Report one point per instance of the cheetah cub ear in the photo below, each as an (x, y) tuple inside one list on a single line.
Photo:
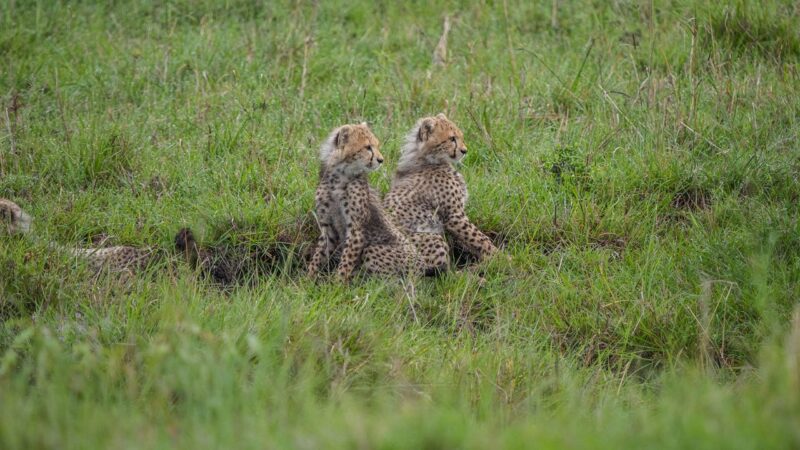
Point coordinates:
[(342, 136), (334, 142), (426, 129), (428, 125), (345, 131)]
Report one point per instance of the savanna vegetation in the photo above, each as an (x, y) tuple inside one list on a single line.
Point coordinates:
[(637, 161)]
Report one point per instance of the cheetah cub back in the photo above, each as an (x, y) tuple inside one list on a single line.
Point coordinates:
[(428, 194), (352, 223), (119, 259)]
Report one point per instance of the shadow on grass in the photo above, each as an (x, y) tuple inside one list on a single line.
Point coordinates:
[(243, 253)]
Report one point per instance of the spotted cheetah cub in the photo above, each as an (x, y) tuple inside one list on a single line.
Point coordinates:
[(428, 194), (114, 259), (351, 221)]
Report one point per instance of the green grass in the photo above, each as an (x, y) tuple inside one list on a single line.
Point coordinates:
[(639, 161)]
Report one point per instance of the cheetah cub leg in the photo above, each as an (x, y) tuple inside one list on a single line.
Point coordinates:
[(468, 235), (322, 251), (433, 252), (351, 255), (389, 259)]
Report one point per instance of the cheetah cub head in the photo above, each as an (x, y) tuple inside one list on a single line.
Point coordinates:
[(433, 140), (12, 218), (351, 149)]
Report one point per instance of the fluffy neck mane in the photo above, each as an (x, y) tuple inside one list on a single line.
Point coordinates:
[(410, 151), (328, 147)]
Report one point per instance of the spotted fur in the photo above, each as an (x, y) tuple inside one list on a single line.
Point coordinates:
[(428, 194), (113, 259), (352, 223)]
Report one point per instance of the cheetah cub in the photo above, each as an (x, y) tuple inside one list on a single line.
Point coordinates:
[(351, 221), (114, 259), (428, 194)]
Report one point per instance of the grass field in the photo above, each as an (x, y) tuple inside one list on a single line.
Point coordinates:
[(638, 161)]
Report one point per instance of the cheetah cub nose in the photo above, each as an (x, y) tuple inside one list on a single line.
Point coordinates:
[(380, 160), (464, 151)]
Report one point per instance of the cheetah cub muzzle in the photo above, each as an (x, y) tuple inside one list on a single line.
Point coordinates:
[(428, 194), (352, 223)]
